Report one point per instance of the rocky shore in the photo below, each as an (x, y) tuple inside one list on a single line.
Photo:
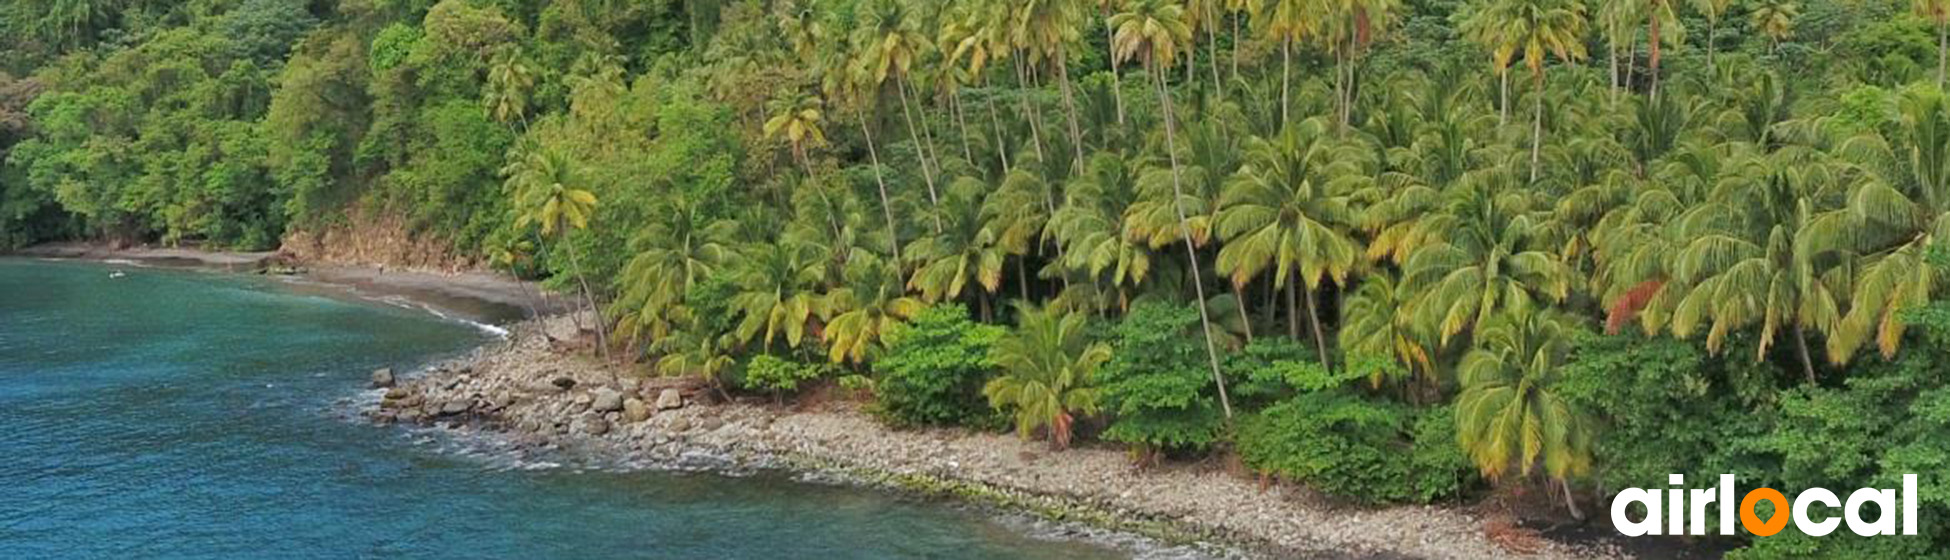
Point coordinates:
[(533, 391)]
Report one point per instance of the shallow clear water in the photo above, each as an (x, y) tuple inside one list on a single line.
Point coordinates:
[(170, 414)]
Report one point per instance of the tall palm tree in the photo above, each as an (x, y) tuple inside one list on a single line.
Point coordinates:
[(1045, 29), (1938, 12), (506, 92), (1288, 211), (1537, 28), (1288, 22), (1775, 19), (1509, 414), (550, 195), (1047, 363), (1712, 10), (891, 43), (1151, 31)]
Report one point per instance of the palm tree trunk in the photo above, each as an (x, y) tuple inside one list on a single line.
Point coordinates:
[(1116, 81), (886, 208), (1070, 106), (1652, 39), (1503, 96), (1212, 52), (1942, 47), (1245, 320), (1320, 337), (995, 125), (1286, 77), (920, 151), (1801, 347), (1537, 124), (961, 120), (1235, 45), (1184, 232), (1293, 310), (589, 299), (1570, 501), (1712, 25), (1029, 110), (927, 132)]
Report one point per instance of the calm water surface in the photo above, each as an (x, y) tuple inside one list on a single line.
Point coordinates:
[(180, 414)]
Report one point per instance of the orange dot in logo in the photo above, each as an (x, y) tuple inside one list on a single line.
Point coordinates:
[(1752, 522)]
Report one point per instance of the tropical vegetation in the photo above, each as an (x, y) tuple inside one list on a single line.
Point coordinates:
[(1322, 237)]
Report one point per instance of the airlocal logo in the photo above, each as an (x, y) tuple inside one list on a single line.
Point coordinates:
[(1669, 516)]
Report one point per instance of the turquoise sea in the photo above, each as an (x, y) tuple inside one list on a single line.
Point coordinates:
[(168, 413)]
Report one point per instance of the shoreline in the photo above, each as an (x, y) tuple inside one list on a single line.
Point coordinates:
[(478, 297), (545, 398), (512, 389)]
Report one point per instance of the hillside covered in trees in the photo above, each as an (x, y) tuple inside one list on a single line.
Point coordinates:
[(1399, 251)]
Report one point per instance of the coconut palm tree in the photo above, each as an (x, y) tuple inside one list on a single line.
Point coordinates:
[(680, 247), (1377, 322), (890, 44), (1492, 255), (1151, 31), (548, 194), (869, 304), (965, 253), (1287, 212), (1712, 10), (1536, 29), (1047, 363), (1090, 226), (509, 82), (777, 291), (1044, 30), (1775, 19), (1509, 416), (1938, 12), (1287, 22), (1899, 208)]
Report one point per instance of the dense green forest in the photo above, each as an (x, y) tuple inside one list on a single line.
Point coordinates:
[(1399, 251)]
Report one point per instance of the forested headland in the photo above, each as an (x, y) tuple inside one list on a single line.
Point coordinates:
[(1398, 251)]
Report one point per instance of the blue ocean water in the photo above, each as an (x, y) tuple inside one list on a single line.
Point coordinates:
[(182, 414)]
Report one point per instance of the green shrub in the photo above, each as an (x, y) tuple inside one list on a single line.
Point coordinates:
[(1157, 383), (781, 376), (934, 370), (1347, 444)]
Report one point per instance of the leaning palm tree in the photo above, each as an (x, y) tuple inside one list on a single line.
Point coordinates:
[(1152, 31), (548, 194), (1047, 363), (1287, 212), (1509, 415)]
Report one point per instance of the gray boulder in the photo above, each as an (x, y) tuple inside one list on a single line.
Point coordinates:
[(670, 399), (635, 411), (607, 400)]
